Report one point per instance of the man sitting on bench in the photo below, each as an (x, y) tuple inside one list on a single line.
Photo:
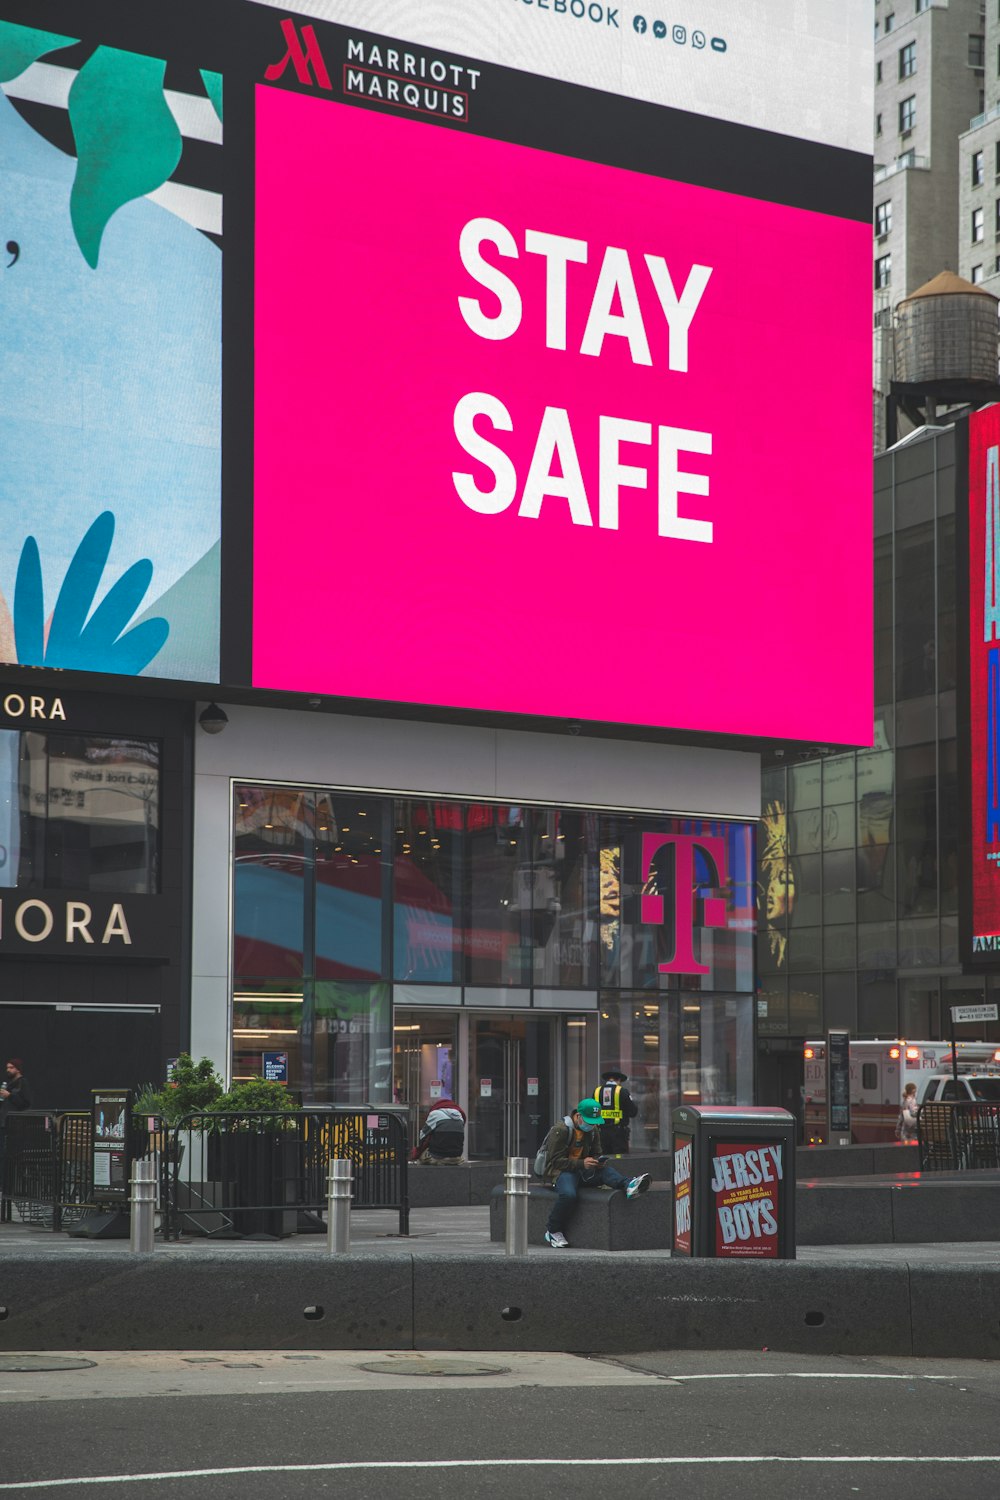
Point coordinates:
[(442, 1136), (573, 1159)]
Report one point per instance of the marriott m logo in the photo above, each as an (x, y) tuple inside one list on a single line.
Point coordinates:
[(304, 55)]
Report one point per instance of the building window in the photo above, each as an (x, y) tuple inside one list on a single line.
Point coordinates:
[(977, 226), (977, 52), (907, 113), (978, 170), (878, 72), (996, 215), (908, 60), (83, 812), (923, 5), (996, 266), (883, 272), (890, 22), (878, 127), (976, 275), (883, 218)]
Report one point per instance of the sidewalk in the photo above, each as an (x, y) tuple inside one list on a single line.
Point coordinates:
[(465, 1232)]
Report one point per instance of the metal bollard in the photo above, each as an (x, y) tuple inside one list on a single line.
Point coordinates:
[(338, 1208), (517, 1181), (143, 1203)]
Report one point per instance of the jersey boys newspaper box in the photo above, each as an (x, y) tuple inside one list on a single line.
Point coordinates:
[(734, 1182)]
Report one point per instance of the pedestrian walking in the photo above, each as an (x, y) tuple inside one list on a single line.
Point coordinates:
[(14, 1096), (906, 1125)]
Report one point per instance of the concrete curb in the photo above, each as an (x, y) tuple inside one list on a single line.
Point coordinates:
[(122, 1301)]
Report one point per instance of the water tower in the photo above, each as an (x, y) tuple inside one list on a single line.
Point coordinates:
[(945, 346)]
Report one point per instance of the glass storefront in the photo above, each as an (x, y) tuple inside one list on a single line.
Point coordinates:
[(399, 950)]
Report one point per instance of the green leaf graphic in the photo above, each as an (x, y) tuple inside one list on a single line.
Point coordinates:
[(20, 46), (127, 141), (213, 88)]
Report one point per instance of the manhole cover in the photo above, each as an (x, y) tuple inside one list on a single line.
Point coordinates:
[(420, 1365), (29, 1364)]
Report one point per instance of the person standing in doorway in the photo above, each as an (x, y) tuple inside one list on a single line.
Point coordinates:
[(617, 1109)]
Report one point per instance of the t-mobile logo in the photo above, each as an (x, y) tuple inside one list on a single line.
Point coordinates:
[(713, 847)]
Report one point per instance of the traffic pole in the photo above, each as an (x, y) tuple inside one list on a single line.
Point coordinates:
[(338, 1207), (517, 1183), (143, 1205)]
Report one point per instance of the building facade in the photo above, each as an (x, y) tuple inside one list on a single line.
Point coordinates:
[(394, 585), (979, 173), (934, 71), (862, 854), (411, 911)]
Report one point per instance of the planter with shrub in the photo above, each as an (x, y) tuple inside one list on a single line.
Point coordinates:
[(254, 1150)]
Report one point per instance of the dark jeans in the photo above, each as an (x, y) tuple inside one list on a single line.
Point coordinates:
[(567, 1186)]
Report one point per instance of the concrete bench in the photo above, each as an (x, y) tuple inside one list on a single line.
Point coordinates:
[(603, 1220), (472, 1182), (921, 1209)]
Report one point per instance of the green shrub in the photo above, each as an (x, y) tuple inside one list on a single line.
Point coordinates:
[(191, 1087), (253, 1096)]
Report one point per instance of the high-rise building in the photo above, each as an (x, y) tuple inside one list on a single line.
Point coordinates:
[(979, 172), (931, 80)]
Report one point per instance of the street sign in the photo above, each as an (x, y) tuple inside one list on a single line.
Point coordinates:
[(838, 1084), (973, 1013)]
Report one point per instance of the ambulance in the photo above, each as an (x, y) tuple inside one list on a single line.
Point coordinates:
[(880, 1070)]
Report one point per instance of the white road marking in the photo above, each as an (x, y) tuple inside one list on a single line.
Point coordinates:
[(804, 1375), (383, 1465)]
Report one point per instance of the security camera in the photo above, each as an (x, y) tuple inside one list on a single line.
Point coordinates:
[(213, 719)]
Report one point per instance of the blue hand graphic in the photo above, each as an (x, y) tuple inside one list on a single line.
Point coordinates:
[(100, 643)]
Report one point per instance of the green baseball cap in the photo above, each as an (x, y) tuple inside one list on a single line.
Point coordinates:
[(590, 1111)]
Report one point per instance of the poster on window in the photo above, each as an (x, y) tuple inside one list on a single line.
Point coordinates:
[(746, 1198)]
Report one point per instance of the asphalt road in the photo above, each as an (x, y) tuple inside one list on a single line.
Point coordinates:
[(705, 1426)]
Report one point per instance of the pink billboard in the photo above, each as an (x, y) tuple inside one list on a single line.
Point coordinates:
[(542, 436)]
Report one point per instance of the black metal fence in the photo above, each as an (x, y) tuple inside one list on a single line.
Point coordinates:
[(45, 1172), (221, 1175), (958, 1137), (265, 1174)]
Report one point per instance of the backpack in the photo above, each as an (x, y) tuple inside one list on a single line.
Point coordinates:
[(541, 1154)]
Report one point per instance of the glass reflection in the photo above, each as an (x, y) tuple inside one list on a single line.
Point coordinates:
[(678, 1049), (79, 812), (428, 844)]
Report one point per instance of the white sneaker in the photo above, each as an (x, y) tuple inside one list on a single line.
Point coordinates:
[(556, 1240), (637, 1185)]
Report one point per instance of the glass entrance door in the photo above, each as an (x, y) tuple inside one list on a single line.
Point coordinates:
[(510, 1084), (424, 1055)]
